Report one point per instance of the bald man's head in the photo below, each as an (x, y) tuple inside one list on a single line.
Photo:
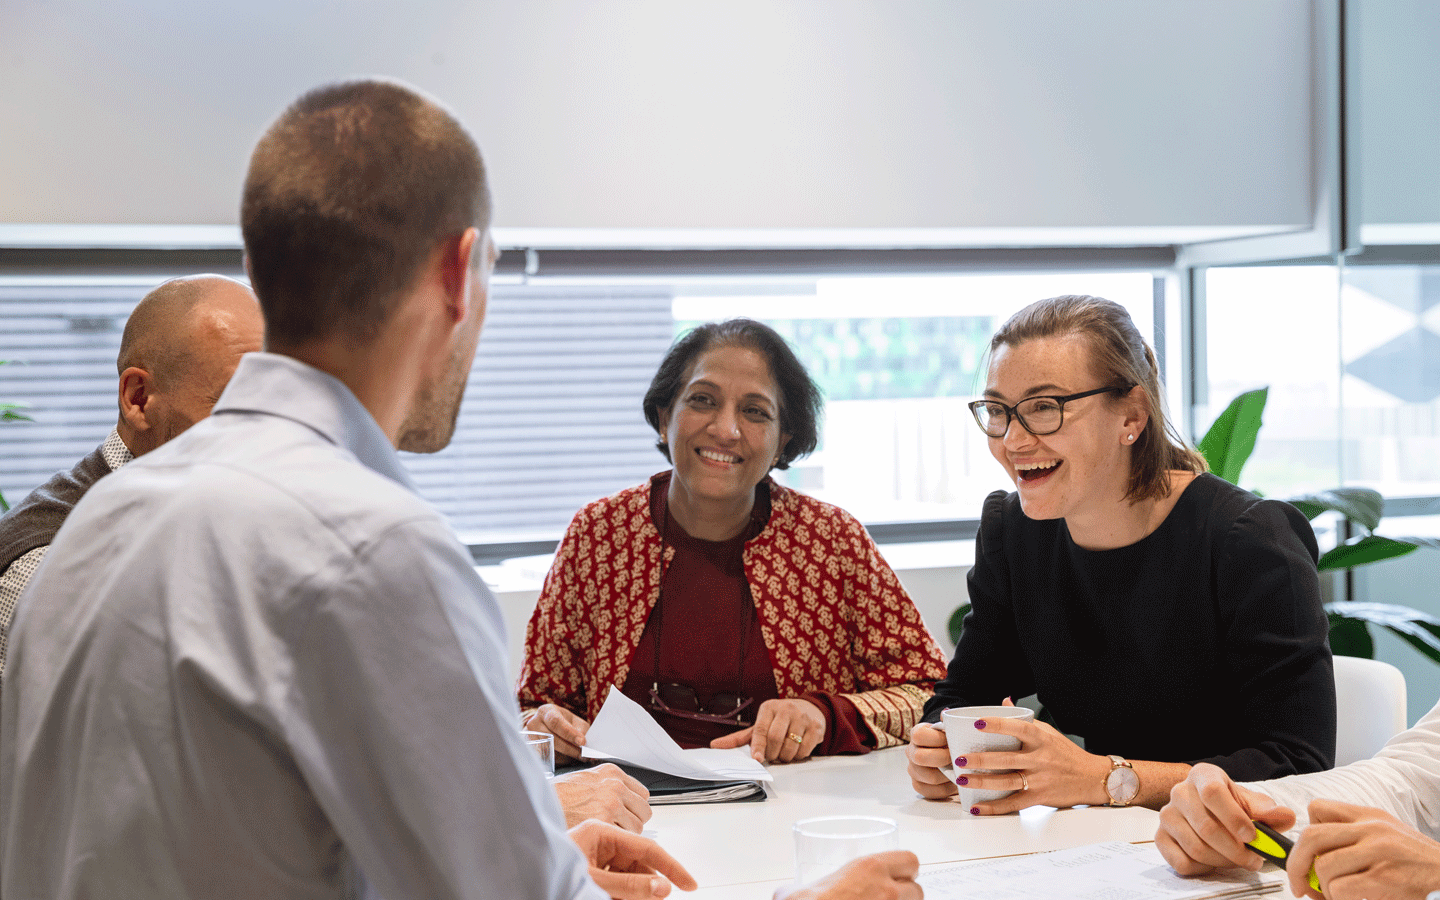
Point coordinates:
[(180, 347)]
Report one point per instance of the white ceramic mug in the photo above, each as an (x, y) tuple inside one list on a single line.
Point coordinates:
[(964, 739)]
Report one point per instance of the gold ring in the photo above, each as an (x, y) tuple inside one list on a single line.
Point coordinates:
[(796, 738), (1024, 785)]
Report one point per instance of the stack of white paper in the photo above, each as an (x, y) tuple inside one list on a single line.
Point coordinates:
[(624, 730), (1115, 871)]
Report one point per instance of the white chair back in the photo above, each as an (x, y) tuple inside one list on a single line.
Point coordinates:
[(1369, 706)]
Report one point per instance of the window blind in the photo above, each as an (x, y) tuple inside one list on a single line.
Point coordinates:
[(551, 418)]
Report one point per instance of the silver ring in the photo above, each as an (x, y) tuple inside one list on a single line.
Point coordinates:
[(1024, 785)]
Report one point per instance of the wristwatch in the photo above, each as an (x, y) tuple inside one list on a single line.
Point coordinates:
[(1122, 783)]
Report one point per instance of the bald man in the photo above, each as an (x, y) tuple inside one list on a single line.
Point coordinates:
[(180, 347)]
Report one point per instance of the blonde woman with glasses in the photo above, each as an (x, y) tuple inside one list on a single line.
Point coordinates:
[(1162, 615)]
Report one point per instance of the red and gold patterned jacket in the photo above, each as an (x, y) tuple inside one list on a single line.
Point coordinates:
[(832, 612)]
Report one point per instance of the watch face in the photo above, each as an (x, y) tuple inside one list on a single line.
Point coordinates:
[(1122, 784)]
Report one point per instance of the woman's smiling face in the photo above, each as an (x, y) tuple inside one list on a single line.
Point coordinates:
[(723, 429), (1083, 468)]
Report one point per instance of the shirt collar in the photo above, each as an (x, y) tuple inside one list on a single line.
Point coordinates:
[(114, 451), (276, 385)]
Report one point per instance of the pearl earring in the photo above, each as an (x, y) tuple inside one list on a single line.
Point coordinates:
[(1129, 437)]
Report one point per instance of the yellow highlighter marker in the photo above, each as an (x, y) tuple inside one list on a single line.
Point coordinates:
[(1276, 847)]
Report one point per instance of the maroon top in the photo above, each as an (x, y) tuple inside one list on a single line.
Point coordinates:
[(702, 618)]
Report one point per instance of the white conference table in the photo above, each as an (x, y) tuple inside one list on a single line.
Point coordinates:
[(745, 850)]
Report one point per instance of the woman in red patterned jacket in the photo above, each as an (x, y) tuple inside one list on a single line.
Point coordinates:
[(736, 610)]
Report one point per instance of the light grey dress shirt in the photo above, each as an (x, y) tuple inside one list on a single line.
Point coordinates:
[(256, 664), (14, 579)]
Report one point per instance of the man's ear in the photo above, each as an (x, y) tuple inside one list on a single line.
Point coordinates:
[(137, 389), (455, 264)]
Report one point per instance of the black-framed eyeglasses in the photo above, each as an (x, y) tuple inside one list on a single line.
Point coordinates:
[(1038, 415)]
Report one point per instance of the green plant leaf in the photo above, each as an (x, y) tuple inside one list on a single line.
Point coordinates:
[(957, 622), (1418, 629), (8, 412), (1350, 637), (1231, 439), (1360, 505), (1368, 549)]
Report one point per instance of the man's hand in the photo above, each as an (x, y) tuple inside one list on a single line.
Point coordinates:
[(1206, 824), (1359, 852), (628, 866), (568, 728), (883, 876), (605, 793), (927, 751), (784, 731)]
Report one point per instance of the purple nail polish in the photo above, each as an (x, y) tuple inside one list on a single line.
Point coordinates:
[(980, 724), (960, 761), (962, 781), (974, 810)]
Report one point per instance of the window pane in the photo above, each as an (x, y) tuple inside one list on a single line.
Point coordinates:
[(1278, 327), (1390, 345), (552, 417), (898, 359)]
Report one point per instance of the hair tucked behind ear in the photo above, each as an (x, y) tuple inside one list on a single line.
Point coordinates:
[(1120, 357)]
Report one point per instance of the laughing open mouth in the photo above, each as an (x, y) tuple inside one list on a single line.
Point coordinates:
[(1036, 471)]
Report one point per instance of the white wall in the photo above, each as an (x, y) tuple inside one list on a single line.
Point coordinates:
[(1169, 119)]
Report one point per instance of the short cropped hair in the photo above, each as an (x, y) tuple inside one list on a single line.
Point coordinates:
[(1119, 357), (347, 195), (800, 398)]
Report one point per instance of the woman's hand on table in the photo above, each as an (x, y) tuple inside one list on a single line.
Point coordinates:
[(1205, 825), (927, 751), (883, 876), (627, 866), (1049, 769), (568, 729), (784, 731), (605, 793)]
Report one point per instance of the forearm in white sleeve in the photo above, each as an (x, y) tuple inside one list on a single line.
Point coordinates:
[(1403, 779)]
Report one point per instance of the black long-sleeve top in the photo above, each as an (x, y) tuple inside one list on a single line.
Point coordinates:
[(1205, 641)]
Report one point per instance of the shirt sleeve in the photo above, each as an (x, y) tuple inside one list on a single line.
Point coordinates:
[(894, 654), (1403, 779), (989, 662), (12, 584), (1275, 648), (551, 671), (845, 728), (402, 723)]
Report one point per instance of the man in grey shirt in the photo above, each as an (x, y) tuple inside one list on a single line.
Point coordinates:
[(255, 663), (180, 346)]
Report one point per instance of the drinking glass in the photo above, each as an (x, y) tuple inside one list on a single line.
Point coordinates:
[(544, 746), (824, 844)]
